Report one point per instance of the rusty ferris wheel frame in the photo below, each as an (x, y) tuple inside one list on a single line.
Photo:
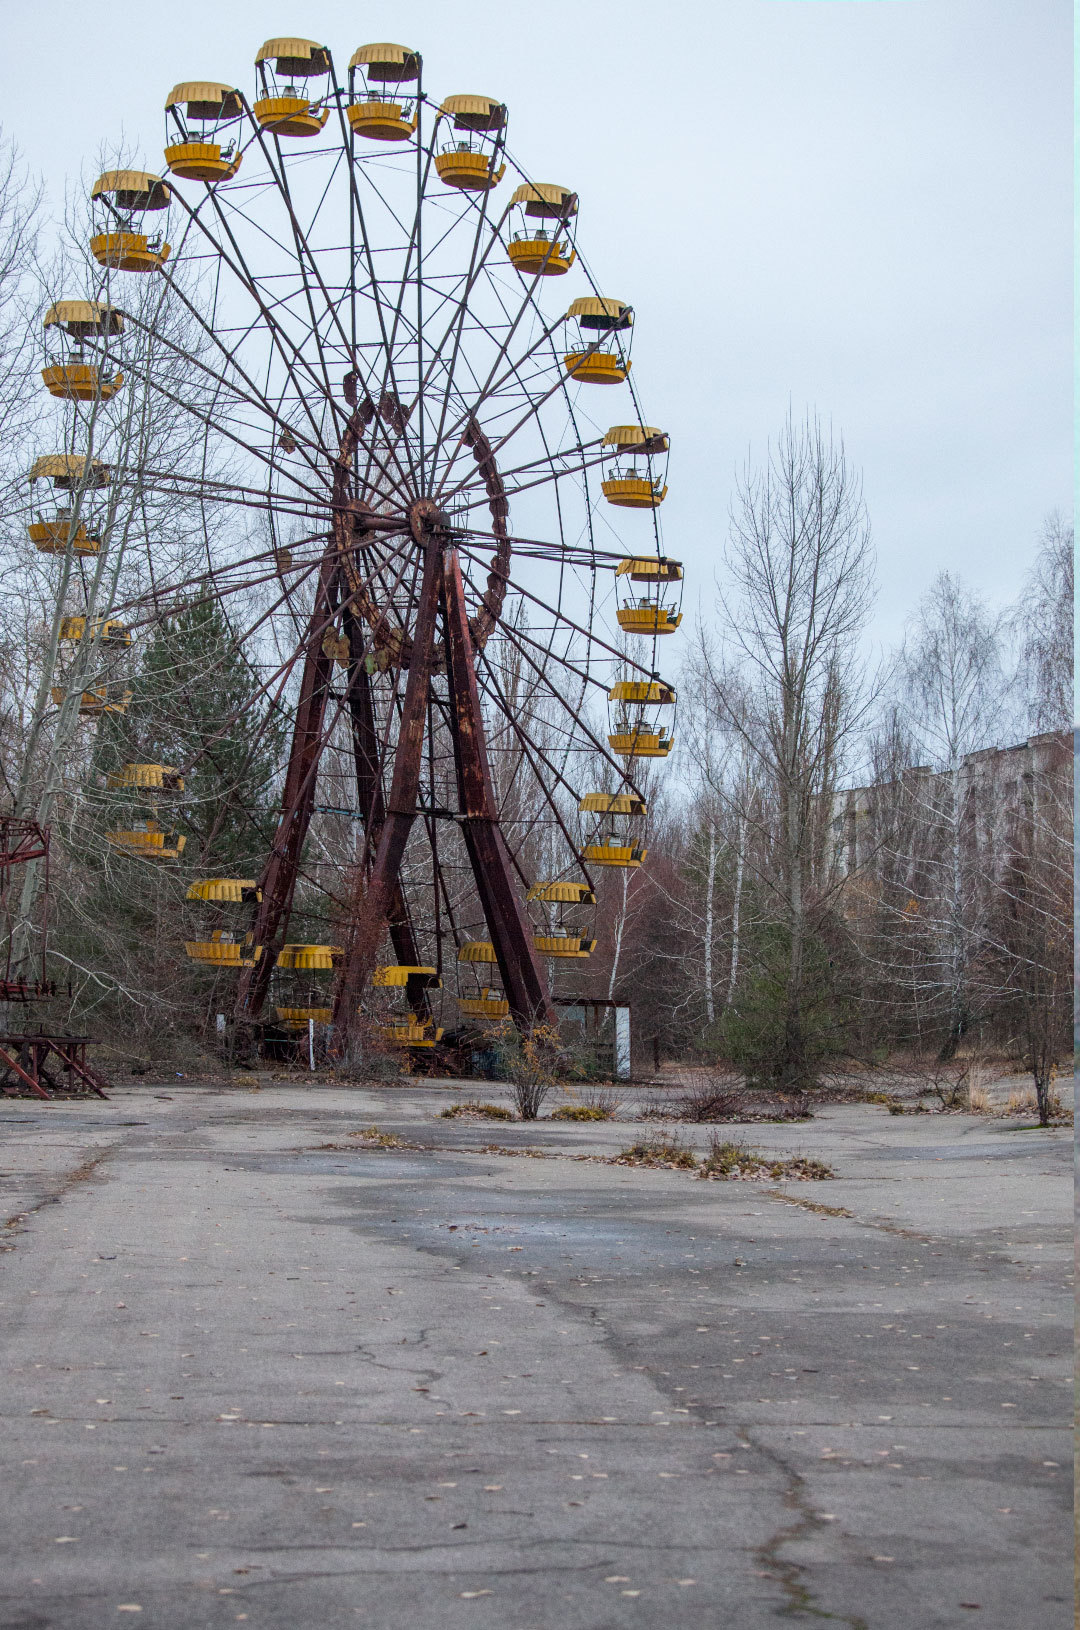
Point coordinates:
[(383, 400)]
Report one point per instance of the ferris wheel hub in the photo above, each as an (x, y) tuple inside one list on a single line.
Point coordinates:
[(426, 518)]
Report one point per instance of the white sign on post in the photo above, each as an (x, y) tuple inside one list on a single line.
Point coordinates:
[(622, 1044)]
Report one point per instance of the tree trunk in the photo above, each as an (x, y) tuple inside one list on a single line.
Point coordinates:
[(710, 884)]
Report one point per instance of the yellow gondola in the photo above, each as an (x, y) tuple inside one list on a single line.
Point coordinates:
[(612, 853), (73, 378), (126, 193), (564, 945), (599, 357), (372, 111), (109, 632), (477, 951), (224, 950), (636, 735), (617, 847), (467, 164), (641, 743), (57, 536), (484, 1006), (282, 109), (92, 703), (149, 840), (197, 155), (538, 251), (630, 480), (410, 1033)]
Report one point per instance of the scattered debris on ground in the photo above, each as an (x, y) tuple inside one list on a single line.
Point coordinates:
[(808, 1205)]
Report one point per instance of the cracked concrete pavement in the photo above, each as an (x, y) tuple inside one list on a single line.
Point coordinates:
[(252, 1379)]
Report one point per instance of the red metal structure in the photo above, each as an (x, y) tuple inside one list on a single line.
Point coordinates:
[(36, 1062)]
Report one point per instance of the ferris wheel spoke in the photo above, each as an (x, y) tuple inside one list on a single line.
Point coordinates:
[(307, 262), (566, 621), (295, 364), (357, 218), (533, 752), (257, 397), (520, 641)]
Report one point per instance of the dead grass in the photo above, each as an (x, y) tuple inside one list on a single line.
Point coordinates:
[(581, 1112)]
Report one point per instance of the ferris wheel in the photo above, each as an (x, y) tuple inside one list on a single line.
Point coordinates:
[(441, 546)]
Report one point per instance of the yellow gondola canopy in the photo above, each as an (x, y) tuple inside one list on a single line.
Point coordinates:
[(579, 894), (159, 777), (392, 63), (613, 803), (477, 951), (295, 59), (474, 112), (658, 569), (596, 311), (232, 890), (69, 470), (654, 691), (206, 99), (636, 438), (546, 199), (82, 318), (309, 956), (132, 189), (399, 973)]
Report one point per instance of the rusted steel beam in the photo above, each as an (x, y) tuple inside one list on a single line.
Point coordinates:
[(371, 905), (372, 804), (278, 880), (13, 1064), (511, 932), (66, 1050)]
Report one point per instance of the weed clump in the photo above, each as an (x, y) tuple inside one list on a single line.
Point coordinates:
[(581, 1112), (728, 1160), (474, 1110), (662, 1151)]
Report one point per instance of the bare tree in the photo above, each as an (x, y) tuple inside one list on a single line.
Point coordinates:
[(800, 570), (1044, 621), (956, 692)]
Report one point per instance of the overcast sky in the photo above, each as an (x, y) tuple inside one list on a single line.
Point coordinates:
[(859, 206)]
